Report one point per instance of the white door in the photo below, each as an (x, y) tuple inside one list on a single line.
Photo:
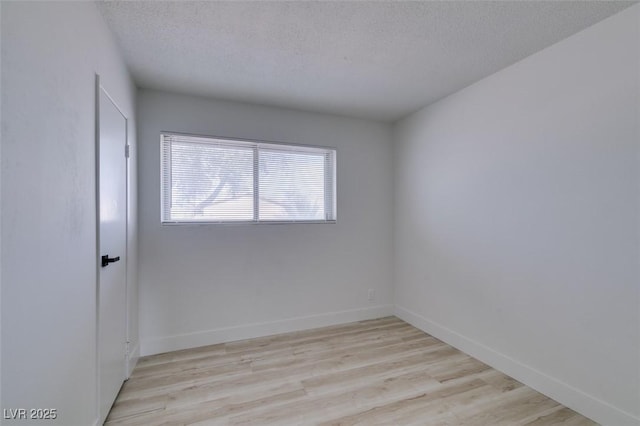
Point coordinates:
[(112, 234)]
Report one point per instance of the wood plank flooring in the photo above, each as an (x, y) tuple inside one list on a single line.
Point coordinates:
[(377, 372)]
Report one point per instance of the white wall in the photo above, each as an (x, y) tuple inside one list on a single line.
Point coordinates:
[(516, 223), (50, 54), (0, 212), (202, 284)]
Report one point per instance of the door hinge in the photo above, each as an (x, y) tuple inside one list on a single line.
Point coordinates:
[(126, 151), (126, 350)]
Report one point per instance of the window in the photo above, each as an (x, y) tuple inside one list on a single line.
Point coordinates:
[(212, 180)]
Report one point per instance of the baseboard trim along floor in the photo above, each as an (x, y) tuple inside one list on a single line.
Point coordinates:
[(382, 371), (151, 346), (598, 410)]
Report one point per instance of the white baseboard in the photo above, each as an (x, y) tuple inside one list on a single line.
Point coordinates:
[(151, 346), (132, 360), (587, 405)]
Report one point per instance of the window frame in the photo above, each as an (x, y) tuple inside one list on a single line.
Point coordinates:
[(255, 145)]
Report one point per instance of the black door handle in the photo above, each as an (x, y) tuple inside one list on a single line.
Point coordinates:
[(106, 260)]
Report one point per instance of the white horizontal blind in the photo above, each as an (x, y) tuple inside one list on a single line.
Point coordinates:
[(291, 185), (221, 180), (330, 184), (206, 180)]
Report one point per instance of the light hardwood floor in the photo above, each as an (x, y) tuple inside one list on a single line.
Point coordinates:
[(377, 372)]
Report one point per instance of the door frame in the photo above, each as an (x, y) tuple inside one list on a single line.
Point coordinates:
[(100, 89)]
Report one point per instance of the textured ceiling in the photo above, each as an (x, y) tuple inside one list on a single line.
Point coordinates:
[(379, 60)]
